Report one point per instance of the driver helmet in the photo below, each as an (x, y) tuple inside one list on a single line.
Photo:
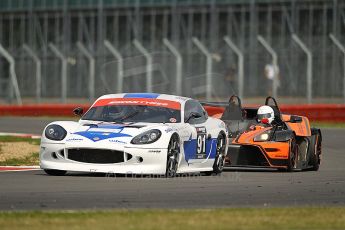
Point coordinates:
[(265, 114)]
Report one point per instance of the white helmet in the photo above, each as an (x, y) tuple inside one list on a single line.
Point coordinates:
[(265, 114)]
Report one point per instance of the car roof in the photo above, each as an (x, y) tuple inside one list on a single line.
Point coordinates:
[(174, 98)]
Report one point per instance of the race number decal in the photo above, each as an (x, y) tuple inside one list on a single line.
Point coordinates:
[(200, 143)]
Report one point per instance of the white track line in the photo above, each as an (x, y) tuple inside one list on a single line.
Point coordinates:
[(32, 136), (22, 170), (22, 166), (19, 168)]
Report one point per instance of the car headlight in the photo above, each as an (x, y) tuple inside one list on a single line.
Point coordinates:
[(55, 132), (147, 137), (263, 136)]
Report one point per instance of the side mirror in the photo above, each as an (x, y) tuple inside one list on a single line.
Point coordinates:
[(78, 111), (295, 119), (193, 115)]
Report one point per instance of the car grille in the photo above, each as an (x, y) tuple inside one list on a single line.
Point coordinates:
[(246, 155), (97, 156)]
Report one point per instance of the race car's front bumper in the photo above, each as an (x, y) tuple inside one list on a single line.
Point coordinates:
[(123, 160), (241, 155)]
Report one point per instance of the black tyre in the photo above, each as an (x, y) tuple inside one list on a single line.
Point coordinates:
[(316, 152), (172, 156), (293, 156), (54, 172), (219, 160)]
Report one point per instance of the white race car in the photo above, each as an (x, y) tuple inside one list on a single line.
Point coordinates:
[(136, 133)]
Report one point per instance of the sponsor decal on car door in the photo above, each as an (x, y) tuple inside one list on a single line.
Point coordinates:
[(201, 136), (199, 147)]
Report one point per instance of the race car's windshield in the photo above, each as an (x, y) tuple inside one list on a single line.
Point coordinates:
[(133, 113)]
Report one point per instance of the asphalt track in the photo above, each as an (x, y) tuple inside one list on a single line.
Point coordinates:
[(234, 188)]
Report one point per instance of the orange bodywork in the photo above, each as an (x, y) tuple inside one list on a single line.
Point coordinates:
[(301, 129), (218, 115), (270, 149), (244, 151)]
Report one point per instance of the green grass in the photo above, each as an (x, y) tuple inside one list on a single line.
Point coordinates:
[(231, 218), (328, 124), (19, 139), (32, 159)]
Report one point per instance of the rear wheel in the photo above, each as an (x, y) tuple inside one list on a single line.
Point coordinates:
[(54, 172), (172, 156), (293, 156), (219, 160)]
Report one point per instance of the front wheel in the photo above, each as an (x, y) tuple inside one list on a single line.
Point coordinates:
[(172, 156), (293, 156), (316, 155), (54, 172)]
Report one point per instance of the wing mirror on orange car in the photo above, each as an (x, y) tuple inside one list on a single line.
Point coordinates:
[(78, 111), (295, 119)]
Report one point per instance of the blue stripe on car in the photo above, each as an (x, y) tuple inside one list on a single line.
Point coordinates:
[(141, 95), (191, 145), (99, 136)]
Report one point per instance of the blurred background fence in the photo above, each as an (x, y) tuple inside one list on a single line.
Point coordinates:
[(76, 50)]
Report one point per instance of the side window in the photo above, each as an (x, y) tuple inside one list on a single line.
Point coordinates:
[(194, 106)]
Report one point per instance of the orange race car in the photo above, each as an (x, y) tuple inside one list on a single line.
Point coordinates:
[(263, 137)]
